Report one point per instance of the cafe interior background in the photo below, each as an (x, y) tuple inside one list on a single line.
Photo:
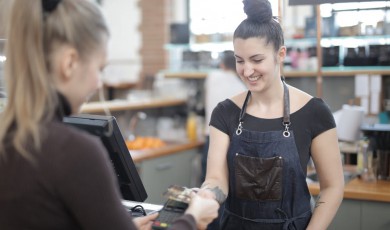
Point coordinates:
[(161, 51)]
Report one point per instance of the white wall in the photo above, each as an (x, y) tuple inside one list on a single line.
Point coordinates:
[(179, 11), (292, 22), (123, 18)]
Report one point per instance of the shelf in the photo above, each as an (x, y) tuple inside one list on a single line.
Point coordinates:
[(340, 71), (191, 74), (289, 42), (298, 73), (203, 74), (123, 105), (351, 71), (207, 46), (371, 38), (300, 41), (123, 85), (326, 72), (337, 41), (112, 87)]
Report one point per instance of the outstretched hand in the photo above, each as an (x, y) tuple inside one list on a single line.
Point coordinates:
[(203, 209)]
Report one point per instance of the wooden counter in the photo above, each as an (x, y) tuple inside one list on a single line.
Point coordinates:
[(141, 155), (358, 190)]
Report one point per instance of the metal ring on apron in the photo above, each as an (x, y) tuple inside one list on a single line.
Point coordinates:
[(286, 132), (239, 129)]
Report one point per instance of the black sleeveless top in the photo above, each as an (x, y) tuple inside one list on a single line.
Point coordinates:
[(308, 122)]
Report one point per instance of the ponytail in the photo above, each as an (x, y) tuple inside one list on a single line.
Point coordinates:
[(32, 38)]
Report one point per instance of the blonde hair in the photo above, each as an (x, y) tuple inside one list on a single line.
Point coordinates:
[(32, 38)]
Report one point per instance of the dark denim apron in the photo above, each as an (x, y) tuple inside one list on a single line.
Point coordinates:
[(267, 186)]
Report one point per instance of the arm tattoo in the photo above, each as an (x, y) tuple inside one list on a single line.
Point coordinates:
[(318, 202), (220, 197)]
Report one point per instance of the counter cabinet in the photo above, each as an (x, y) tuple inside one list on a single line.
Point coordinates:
[(158, 173), (365, 205), (362, 215)]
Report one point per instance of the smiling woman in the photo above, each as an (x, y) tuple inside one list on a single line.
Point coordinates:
[(267, 135)]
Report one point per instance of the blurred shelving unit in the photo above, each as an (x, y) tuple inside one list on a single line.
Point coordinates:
[(333, 77), (319, 77)]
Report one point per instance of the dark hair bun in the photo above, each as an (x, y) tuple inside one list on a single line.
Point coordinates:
[(258, 10)]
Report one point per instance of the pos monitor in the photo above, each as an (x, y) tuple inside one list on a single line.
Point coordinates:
[(130, 183)]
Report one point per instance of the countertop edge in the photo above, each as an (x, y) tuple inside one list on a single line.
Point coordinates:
[(356, 189), (141, 155)]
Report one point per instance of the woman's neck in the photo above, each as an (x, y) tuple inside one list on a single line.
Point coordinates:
[(268, 103)]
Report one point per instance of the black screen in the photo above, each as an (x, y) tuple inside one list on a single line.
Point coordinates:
[(130, 183)]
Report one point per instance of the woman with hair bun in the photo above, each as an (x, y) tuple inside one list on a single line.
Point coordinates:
[(261, 140), (53, 176)]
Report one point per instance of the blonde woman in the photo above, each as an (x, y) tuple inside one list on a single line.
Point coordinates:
[(53, 176)]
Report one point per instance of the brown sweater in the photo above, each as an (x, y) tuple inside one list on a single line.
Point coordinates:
[(72, 186)]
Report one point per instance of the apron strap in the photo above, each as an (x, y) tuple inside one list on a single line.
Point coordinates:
[(242, 113), (291, 220), (286, 221), (286, 106), (286, 111)]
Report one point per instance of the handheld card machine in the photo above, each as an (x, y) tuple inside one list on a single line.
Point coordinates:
[(172, 209), (178, 198)]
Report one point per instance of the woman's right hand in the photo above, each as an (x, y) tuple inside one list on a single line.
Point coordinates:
[(204, 210)]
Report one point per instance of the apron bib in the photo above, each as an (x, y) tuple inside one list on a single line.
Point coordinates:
[(267, 186)]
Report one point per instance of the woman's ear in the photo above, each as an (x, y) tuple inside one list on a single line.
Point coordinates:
[(281, 54), (69, 59)]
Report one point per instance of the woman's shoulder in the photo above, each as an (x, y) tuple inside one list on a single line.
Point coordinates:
[(226, 107), (237, 100), (67, 146), (317, 111), (74, 133), (298, 99), (64, 136), (230, 107), (302, 102), (317, 105)]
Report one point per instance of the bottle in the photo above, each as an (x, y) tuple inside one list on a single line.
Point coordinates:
[(363, 145), (368, 174), (192, 130)]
